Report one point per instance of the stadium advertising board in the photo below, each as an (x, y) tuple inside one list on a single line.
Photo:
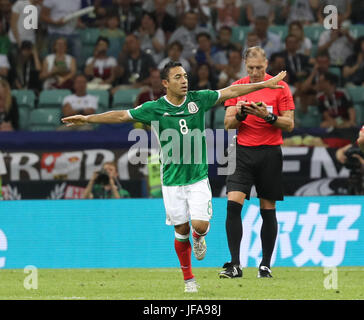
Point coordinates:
[(307, 171), (313, 231)]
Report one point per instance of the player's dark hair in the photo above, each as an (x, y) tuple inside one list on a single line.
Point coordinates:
[(170, 65)]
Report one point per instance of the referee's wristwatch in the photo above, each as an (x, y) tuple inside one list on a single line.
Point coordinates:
[(271, 118)]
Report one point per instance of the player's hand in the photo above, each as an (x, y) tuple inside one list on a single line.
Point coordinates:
[(77, 120), (273, 82), (240, 106), (256, 110)]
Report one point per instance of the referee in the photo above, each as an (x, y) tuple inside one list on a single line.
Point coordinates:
[(260, 118)]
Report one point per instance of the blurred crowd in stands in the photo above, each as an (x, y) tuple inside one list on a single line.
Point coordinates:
[(121, 46)]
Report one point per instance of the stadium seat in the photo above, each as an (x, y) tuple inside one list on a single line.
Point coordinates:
[(89, 35), (357, 30), (239, 33), (219, 118), (125, 98), (103, 96), (311, 119), (359, 114), (314, 50), (282, 31), (313, 32), (87, 51), (336, 71), (44, 119), (52, 98), (357, 94), (24, 112), (24, 98)]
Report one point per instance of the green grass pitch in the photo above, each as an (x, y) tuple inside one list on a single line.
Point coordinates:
[(167, 284)]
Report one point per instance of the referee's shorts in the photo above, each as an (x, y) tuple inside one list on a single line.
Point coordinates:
[(260, 166)]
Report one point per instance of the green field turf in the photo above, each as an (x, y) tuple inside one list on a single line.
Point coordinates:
[(167, 284)]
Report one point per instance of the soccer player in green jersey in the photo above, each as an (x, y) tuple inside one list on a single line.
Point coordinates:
[(177, 117)]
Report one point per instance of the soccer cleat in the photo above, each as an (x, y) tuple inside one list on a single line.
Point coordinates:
[(231, 271), (199, 247), (191, 286), (264, 272)]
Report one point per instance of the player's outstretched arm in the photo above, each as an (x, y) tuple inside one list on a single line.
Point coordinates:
[(237, 90), (106, 117)]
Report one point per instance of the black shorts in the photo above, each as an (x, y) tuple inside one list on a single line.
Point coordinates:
[(260, 166)]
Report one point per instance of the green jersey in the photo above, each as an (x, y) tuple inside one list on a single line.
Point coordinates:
[(181, 134)]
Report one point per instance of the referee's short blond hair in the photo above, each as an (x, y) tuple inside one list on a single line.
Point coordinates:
[(254, 52)]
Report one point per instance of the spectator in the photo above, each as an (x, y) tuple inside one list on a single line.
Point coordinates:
[(353, 70), (186, 34), (53, 13), (154, 90), (207, 53), (105, 184), (175, 50), (129, 14), (357, 15), (9, 114), (164, 20), (151, 37), (58, 68), (228, 14), (79, 103), (200, 7), (321, 66), (297, 63), (98, 18), (27, 68), (343, 8), (224, 43), (338, 42), (252, 40), (134, 64), (5, 43), (5, 15), (234, 70), (269, 41), (277, 63), (334, 104), (302, 10), (204, 78), (4, 66), (101, 68), (360, 140), (18, 33), (304, 43), (115, 35), (260, 8)]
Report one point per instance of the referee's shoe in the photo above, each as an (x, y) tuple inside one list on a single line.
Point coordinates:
[(264, 272), (231, 271)]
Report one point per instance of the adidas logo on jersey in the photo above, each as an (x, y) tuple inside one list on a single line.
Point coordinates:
[(166, 114)]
